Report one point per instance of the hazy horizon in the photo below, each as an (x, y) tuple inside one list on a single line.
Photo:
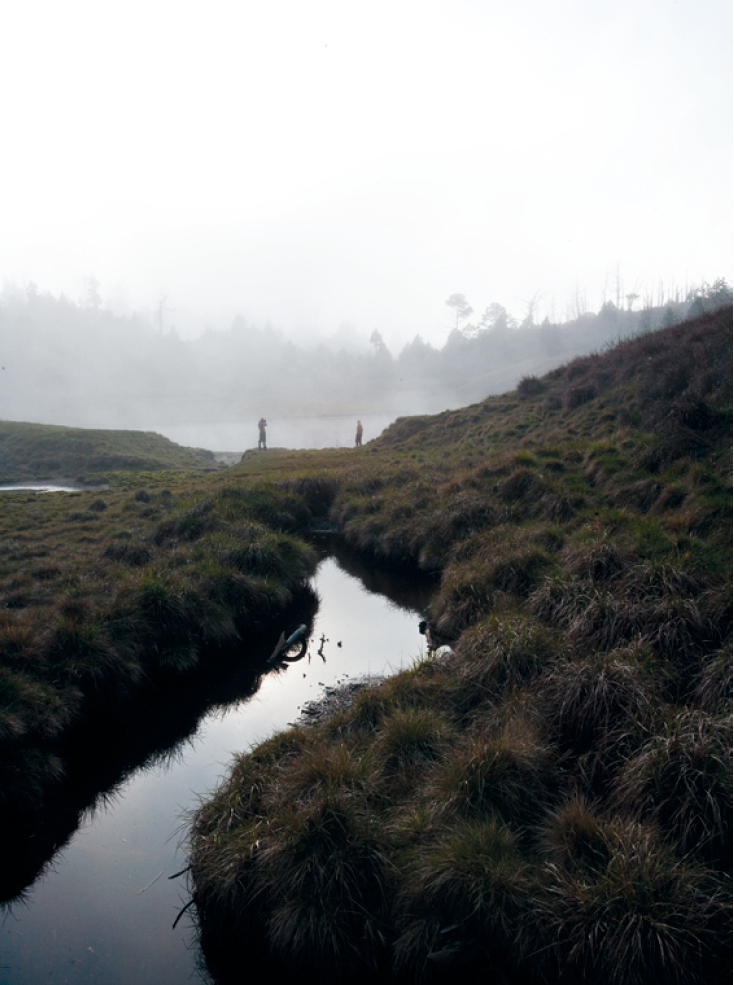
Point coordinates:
[(336, 169)]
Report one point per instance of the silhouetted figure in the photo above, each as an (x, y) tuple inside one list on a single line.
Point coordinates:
[(261, 425), (358, 436)]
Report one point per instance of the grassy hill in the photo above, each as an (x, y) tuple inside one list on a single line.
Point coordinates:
[(45, 451), (551, 800)]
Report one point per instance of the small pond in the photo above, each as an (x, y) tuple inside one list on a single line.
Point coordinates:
[(43, 487), (102, 909)]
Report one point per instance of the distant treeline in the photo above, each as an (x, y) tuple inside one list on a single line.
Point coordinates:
[(82, 365)]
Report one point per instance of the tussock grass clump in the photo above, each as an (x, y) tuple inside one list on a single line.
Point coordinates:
[(29, 706), (327, 851), (27, 775), (190, 525), (573, 835), (473, 587), (81, 653), (628, 911), (269, 554), (682, 778), (530, 386), (466, 896), (498, 656), (411, 735), (505, 771), (135, 555), (714, 686), (607, 697)]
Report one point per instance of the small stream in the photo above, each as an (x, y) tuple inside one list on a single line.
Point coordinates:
[(102, 910)]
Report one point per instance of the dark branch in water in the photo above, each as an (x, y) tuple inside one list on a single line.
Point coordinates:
[(283, 644)]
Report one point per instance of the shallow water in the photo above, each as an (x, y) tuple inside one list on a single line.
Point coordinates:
[(103, 911), (43, 487)]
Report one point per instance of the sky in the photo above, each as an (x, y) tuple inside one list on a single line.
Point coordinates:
[(337, 167)]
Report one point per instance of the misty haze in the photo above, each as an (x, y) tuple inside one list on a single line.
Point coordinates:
[(80, 365), (365, 492)]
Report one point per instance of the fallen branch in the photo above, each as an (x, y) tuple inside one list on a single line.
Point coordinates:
[(284, 643)]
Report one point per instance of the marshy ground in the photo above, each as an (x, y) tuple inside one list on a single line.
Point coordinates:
[(553, 802)]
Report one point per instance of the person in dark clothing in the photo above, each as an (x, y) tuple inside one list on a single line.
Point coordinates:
[(261, 425), (358, 436)]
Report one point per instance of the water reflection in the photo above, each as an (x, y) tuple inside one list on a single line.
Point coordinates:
[(100, 759), (47, 487), (102, 904)]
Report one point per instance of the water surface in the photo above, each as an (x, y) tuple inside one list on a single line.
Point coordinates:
[(332, 431), (46, 487), (103, 911)]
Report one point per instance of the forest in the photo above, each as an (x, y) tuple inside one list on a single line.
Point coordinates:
[(80, 365)]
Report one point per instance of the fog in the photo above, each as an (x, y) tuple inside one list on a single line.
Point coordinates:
[(82, 365), (331, 167), (214, 212)]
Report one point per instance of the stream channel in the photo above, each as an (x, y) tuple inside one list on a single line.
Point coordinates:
[(102, 908)]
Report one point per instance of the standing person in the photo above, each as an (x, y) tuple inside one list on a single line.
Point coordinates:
[(261, 425), (358, 436)]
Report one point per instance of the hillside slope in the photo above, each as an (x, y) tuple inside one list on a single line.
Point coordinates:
[(551, 800), (46, 451)]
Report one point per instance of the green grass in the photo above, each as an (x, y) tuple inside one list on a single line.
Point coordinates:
[(552, 802), (50, 451), (105, 599)]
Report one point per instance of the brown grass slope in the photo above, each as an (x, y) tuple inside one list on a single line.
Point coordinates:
[(552, 802), (49, 451)]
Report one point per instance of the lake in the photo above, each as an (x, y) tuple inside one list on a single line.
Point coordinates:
[(292, 432), (102, 911)]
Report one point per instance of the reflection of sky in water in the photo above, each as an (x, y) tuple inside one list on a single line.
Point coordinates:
[(41, 488), (104, 913)]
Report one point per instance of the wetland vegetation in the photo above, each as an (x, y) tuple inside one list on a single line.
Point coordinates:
[(551, 801)]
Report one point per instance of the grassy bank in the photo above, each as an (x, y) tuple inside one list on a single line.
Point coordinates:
[(46, 451), (108, 598), (553, 801)]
